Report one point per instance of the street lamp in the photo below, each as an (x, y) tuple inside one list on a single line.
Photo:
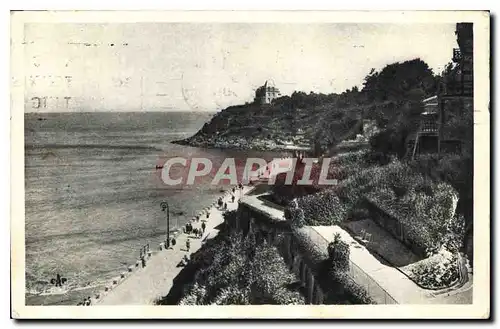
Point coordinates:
[(164, 206)]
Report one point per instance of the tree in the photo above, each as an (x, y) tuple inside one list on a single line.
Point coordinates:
[(399, 81)]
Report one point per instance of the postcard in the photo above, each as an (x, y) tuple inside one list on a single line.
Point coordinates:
[(203, 164)]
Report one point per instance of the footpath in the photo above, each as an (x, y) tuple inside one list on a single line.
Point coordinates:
[(143, 286)]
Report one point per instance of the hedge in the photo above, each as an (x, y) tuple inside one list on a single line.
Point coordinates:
[(427, 219), (323, 208), (396, 176)]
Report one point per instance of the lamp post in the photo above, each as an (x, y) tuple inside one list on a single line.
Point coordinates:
[(164, 206)]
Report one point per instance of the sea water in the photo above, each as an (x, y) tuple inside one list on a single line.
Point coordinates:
[(93, 193)]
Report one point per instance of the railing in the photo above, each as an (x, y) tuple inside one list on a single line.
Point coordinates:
[(374, 290), (356, 274), (457, 55), (362, 279), (429, 127)]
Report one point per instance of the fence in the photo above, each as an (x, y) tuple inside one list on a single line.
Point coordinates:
[(362, 279), (320, 244), (374, 290)]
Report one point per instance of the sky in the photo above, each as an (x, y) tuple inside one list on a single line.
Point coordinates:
[(207, 67)]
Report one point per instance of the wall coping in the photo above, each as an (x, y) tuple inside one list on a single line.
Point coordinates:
[(262, 207)]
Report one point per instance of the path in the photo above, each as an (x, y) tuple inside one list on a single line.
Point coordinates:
[(145, 285), (383, 282), (396, 284)]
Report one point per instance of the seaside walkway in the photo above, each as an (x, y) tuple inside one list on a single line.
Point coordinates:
[(146, 285)]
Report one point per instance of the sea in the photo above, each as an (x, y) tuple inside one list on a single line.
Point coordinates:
[(93, 194)]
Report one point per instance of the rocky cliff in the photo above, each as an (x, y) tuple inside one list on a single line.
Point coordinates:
[(275, 126)]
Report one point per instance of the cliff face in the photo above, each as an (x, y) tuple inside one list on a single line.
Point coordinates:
[(274, 126)]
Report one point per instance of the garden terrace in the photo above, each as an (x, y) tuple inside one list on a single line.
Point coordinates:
[(393, 225), (305, 250), (421, 220)]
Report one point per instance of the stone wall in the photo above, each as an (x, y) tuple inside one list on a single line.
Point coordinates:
[(280, 234), (393, 226)]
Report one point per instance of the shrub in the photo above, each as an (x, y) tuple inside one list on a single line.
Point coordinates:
[(397, 178), (310, 243), (351, 291), (241, 273), (455, 233), (195, 295), (390, 141), (436, 274), (456, 170), (338, 252), (340, 289), (231, 296), (376, 158), (296, 216), (323, 208), (426, 218)]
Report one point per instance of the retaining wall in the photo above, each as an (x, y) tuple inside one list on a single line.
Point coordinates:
[(264, 221)]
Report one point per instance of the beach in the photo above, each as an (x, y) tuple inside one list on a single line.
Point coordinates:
[(93, 195)]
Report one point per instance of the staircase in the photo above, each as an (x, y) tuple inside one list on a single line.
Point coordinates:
[(410, 144)]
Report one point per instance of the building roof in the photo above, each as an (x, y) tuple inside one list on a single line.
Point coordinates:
[(270, 83), (430, 100)]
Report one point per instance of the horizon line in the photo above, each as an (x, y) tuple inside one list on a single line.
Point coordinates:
[(111, 111)]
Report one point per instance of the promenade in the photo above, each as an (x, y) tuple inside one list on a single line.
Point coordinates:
[(145, 285)]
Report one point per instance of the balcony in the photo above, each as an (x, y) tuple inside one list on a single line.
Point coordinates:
[(429, 127), (457, 55)]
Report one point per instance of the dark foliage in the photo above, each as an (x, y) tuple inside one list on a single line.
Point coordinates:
[(338, 252), (407, 80), (241, 271)]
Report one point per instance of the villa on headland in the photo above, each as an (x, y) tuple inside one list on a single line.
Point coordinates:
[(267, 93)]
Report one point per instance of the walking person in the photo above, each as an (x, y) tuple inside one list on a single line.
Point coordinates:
[(188, 244), (184, 261), (208, 214), (232, 198), (203, 227), (58, 280), (225, 205)]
